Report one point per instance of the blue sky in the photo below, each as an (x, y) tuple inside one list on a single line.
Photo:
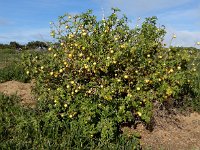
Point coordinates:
[(28, 20)]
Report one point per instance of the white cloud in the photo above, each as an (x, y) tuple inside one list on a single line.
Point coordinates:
[(183, 37)]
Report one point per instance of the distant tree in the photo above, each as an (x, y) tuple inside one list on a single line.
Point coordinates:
[(15, 45), (36, 45)]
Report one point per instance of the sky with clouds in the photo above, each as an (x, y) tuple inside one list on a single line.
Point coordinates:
[(28, 20)]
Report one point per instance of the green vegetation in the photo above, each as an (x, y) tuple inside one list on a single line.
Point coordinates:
[(26, 128), (8, 56), (98, 77), (11, 67)]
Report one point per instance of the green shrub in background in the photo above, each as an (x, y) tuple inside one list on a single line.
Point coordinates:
[(13, 71), (104, 74)]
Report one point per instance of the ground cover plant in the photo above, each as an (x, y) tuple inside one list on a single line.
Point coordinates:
[(8, 56), (11, 67), (103, 75)]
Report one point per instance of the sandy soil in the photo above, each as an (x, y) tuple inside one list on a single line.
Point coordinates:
[(22, 90), (176, 132), (170, 132)]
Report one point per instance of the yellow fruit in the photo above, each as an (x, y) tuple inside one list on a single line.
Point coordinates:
[(89, 91), (68, 86), (61, 70), (94, 63), (65, 62), (126, 77), (129, 95), (70, 116), (51, 73), (139, 113), (118, 80), (138, 88), (61, 44), (179, 68), (160, 56), (72, 82), (41, 67), (52, 34), (111, 51), (85, 66), (81, 54), (49, 48), (70, 17), (83, 48), (55, 55), (114, 62), (70, 55), (66, 26), (148, 55), (146, 80), (84, 33), (171, 70), (76, 91), (27, 72)]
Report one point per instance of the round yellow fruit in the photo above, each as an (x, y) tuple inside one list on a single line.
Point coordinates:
[(126, 77)]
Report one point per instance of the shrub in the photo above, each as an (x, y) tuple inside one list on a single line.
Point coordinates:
[(104, 74)]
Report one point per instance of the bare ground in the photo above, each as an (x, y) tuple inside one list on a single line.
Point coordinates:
[(23, 90), (172, 132)]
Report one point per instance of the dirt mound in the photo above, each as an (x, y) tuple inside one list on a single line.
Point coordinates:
[(171, 132), (23, 90)]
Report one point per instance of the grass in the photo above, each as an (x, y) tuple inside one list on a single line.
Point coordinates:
[(8, 56), (10, 66)]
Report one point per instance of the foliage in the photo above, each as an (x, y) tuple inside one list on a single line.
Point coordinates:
[(104, 74), (26, 128)]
